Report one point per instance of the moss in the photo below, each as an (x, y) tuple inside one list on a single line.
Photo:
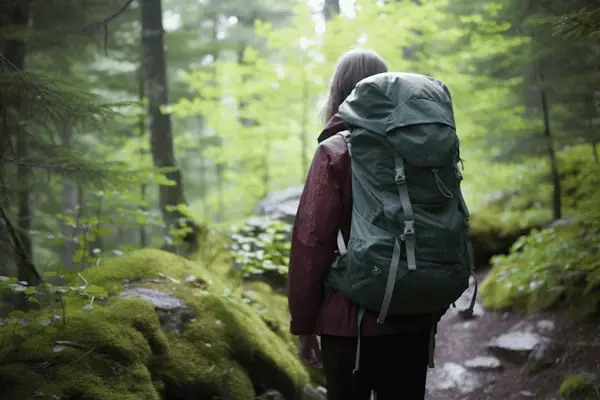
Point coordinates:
[(191, 370), (554, 267), (500, 222), (496, 293), (272, 307), (229, 331), (146, 265), (99, 354), (578, 387), (140, 315), (263, 354), (119, 351)]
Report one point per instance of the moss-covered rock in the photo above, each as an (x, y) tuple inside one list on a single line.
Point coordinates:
[(527, 206), (556, 266), (273, 309), (97, 354), (118, 350), (501, 221), (579, 387)]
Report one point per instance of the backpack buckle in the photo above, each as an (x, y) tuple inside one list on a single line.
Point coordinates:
[(409, 228), (400, 177), (459, 174), (469, 230)]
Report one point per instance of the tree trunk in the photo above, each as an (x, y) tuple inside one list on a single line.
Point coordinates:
[(25, 212), (161, 135), (220, 167), (15, 52), (6, 263), (96, 244), (263, 167), (304, 124), (556, 194), (142, 133), (68, 207), (330, 9), (591, 112), (204, 174)]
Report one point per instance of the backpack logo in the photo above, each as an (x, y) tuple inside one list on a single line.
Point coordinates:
[(376, 271)]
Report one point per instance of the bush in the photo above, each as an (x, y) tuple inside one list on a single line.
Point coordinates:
[(559, 265), (260, 249)]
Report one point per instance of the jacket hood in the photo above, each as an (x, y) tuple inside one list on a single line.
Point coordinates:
[(391, 100), (333, 126)]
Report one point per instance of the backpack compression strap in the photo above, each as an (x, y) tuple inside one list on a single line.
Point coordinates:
[(409, 218), (341, 244), (342, 249), (470, 253), (408, 238)]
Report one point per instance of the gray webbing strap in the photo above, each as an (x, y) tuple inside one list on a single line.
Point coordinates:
[(409, 218), (470, 253), (469, 311), (432, 344), (341, 248), (391, 282), (361, 314), (341, 244)]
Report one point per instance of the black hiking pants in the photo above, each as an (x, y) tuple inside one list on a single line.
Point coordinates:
[(394, 366)]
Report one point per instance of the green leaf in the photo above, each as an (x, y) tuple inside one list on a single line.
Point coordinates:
[(96, 291)]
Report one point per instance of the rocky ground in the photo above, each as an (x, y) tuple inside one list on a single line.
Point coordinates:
[(498, 355)]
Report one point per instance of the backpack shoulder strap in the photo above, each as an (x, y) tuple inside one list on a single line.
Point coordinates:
[(345, 134), (341, 243)]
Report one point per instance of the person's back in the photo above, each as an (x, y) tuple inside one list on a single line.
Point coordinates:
[(395, 352)]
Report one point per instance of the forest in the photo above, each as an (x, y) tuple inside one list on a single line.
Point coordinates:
[(144, 244)]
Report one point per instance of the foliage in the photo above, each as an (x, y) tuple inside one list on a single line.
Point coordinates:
[(45, 307), (272, 308), (580, 386), (47, 102), (261, 246), (117, 348), (584, 22), (558, 265), (247, 83)]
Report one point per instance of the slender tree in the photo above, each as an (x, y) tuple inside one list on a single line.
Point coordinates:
[(161, 134)]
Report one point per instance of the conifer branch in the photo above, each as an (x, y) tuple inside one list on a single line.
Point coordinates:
[(104, 23)]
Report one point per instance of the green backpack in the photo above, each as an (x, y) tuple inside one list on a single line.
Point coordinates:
[(409, 251)]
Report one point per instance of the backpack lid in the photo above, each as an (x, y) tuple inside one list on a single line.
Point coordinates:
[(391, 100)]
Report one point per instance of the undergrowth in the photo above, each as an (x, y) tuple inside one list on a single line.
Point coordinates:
[(261, 247), (558, 266)]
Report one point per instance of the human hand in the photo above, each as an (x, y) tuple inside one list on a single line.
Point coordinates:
[(309, 351)]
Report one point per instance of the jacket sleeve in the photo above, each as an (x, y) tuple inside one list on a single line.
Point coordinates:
[(313, 243)]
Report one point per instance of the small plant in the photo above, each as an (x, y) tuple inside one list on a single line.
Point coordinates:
[(559, 265), (43, 309), (261, 246)]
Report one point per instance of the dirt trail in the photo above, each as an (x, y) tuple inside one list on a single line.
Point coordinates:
[(487, 378)]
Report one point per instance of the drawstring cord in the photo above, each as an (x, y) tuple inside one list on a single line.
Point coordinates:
[(443, 189)]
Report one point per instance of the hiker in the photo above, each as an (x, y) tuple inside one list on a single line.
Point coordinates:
[(373, 290)]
